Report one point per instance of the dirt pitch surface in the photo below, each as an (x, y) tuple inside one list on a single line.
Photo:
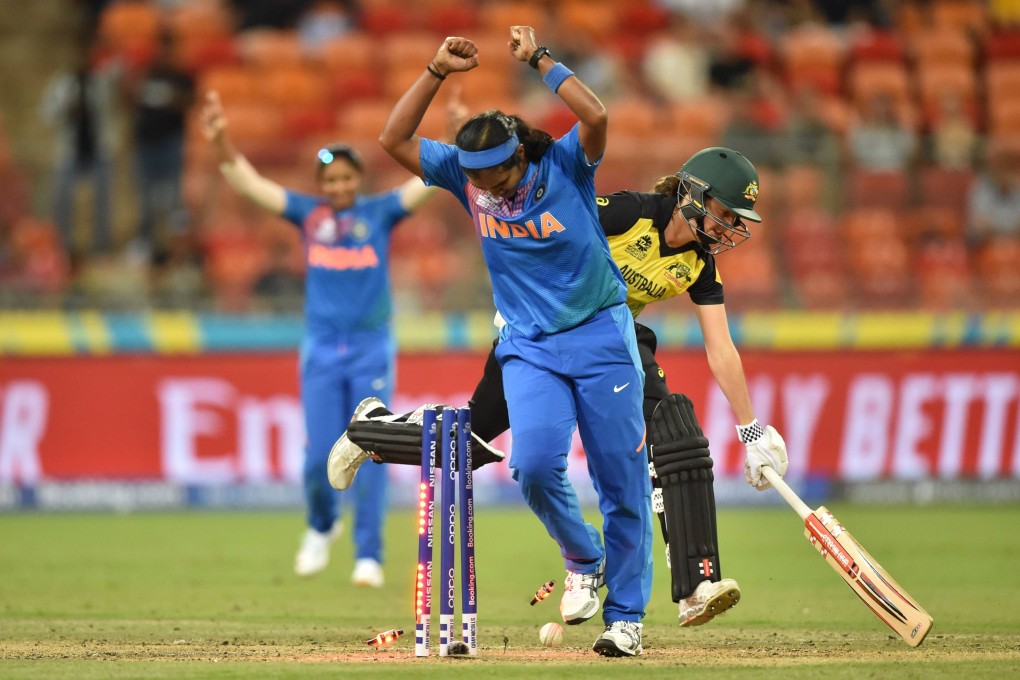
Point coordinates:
[(703, 649)]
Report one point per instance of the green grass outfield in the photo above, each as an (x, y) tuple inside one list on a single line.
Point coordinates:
[(200, 594)]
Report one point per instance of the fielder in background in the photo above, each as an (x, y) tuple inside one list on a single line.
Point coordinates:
[(567, 351), (665, 243), (348, 351)]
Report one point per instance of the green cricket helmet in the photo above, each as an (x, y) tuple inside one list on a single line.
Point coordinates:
[(728, 177)]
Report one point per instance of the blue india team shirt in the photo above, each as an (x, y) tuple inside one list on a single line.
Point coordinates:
[(546, 252), (347, 280)]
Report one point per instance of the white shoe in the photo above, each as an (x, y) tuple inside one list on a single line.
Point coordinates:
[(620, 638), (313, 555), (367, 573), (580, 599), (346, 457), (708, 601)]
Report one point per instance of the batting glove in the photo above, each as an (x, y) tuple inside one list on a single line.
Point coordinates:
[(764, 447)]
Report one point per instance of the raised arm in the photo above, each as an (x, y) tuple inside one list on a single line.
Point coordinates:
[(586, 106), (398, 137), (239, 173)]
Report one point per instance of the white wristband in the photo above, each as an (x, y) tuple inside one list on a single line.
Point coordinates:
[(751, 432)]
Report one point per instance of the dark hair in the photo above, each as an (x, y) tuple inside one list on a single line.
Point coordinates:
[(494, 127), (331, 152)]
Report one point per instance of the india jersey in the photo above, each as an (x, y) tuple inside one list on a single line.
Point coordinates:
[(347, 286), (546, 253), (653, 270)]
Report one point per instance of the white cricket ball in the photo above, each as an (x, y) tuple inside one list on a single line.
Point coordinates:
[(551, 634)]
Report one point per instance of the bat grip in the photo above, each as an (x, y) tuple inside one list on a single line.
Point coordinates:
[(785, 491)]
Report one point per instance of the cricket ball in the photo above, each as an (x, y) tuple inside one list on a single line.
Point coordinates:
[(551, 634)]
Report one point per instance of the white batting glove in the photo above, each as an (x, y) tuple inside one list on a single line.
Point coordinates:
[(764, 447)]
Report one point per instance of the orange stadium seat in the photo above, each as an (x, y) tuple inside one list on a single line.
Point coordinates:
[(264, 48), (1003, 44), (500, 16), (362, 121), (386, 19), (944, 46), (870, 79), (802, 186), (235, 84), (939, 222), (129, 23), (642, 17), (998, 268), (1002, 81), (750, 276), (293, 85), (969, 15), (822, 289), (635, 116), (813, 55), (354, 52), (879, 189), (451, 17), (594, 18), (200, 18), (1004, 117), (706, 117), (945, 188), (876, 45), (943, 274)]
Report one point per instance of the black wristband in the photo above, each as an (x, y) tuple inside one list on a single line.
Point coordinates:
[(435, 71), (536, 55)]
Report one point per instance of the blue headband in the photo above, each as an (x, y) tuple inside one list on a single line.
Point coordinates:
[(488, 158)]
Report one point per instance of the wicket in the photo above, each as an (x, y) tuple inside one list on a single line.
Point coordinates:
[(446, 442)]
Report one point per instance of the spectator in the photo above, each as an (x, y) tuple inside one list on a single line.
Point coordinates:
[(993, 201), (324, 21), (953, 139), (79, 105), (880, 142), (676, 65), (161, 99), (759, 115)]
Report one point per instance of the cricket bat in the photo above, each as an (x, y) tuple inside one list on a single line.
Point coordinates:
[(865, 576)]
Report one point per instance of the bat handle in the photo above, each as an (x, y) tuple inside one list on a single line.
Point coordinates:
[(785, 491)]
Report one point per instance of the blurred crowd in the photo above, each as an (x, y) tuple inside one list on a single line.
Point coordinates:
[(887, 135)]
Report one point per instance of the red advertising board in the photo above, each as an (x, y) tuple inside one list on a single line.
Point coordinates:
[(236, 418)]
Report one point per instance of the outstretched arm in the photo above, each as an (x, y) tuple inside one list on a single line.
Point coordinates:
[(765, 447), (398, 137), (590, 111), (235, 168)]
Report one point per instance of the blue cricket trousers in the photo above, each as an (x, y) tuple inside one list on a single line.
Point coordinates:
[(336, 374), (589, 375)]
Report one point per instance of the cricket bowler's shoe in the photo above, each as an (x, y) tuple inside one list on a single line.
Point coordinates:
[(620, 638), (346, 457), (708, 601), (580, 599), (367, 573), (313, 555)]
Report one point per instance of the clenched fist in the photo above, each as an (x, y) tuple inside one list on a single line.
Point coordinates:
[(456, 54)]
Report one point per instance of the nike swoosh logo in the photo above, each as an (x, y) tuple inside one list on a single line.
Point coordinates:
[(617, 388)]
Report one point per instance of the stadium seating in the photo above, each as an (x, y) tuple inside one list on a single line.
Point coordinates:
[(283, 101)]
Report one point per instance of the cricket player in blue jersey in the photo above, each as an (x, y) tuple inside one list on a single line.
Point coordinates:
[(348, 350), (568, 349)]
